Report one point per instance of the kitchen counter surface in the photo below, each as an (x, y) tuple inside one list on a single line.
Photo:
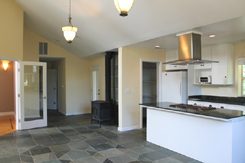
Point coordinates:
[(219, 114), (219, 99)]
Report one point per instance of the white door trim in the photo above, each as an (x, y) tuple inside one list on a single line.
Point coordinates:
[(159, 86)]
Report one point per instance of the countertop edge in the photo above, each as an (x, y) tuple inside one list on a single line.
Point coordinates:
[(196, 115)]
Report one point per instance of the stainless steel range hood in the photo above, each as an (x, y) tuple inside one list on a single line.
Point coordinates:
[(189, 49)]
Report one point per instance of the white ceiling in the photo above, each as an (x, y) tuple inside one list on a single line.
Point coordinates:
[(100, 28)]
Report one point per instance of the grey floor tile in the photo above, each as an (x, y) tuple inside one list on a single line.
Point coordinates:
[(52, 161), (25, 142), (141, 150), (195, 161), (94, 142), (52, 131), (74, 136), (167, 160), (78, 144), (12, 159), (168, 152), (154, 147), (102, 147), (130, 144), (40, 150), (6, 152), (25, 158), (183, 158), (154, 155), (111, 152), (60, 138), (87, 160), (44, 157), (122, 159), (77, 154), (60, 154), (59, 148), (36, 131)]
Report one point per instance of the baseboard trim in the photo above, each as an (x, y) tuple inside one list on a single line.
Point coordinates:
[(128, 128), (78, 113), (7, 113)]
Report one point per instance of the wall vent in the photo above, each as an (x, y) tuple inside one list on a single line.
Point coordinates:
[(43, 48)]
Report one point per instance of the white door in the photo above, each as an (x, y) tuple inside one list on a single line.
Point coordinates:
[(52, 89), (95, 83), (33, 101)]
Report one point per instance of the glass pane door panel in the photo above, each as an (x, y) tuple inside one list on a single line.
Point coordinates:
[(33, 92)]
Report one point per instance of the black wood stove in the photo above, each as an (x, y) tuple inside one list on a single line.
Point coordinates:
[(101, 111)]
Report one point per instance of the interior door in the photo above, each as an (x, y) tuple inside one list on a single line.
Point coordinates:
[(95, 83), (33, 101), (52, 89)]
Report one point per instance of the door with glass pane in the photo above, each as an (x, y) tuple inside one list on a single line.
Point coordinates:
[(33, 101)]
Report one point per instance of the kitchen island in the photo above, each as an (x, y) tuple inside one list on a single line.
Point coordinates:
[(212, 136)]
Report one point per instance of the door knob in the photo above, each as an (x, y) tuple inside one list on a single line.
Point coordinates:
[(44, 97)]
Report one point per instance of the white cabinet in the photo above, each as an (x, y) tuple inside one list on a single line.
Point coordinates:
[(206, 55), (222, 72), (172, 55)]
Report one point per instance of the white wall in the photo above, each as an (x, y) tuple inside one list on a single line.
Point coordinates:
[(129, 78)]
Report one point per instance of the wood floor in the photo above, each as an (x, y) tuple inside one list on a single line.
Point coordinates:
[(7, 124)]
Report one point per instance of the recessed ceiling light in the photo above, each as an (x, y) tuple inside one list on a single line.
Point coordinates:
[(212, 35), (157, 46)]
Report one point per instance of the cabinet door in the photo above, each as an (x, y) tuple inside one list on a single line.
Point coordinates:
[(219, 70), (172, 55), (206, 55)]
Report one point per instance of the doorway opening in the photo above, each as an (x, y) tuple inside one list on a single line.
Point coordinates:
[(150, 85), (95, 85), (7, 97), (55, 83)]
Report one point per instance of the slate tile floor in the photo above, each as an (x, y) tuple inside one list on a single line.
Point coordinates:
[(72, 139)]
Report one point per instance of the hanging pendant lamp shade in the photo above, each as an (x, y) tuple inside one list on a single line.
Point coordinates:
[(69, 31), (123, 6)]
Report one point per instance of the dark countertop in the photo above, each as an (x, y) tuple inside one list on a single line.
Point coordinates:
[(217, 113), (219, 99)]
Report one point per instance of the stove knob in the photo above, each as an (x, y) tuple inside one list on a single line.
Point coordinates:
[(222, 107), (210, 106), (195, 104)]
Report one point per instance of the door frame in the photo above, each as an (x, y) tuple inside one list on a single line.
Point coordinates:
[(94, 68), (158, 87)]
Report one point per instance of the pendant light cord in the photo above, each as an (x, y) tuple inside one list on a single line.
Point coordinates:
[(70, 8)]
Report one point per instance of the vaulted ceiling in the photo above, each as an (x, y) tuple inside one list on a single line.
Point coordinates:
[(100, 28)]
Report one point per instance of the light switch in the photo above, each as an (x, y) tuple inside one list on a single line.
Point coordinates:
[(127, 91)]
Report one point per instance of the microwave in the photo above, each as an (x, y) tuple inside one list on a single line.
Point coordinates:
[(205, 79)]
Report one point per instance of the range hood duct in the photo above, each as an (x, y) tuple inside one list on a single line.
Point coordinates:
[(189, 50)]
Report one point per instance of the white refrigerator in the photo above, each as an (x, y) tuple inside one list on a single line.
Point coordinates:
[(174, 87)]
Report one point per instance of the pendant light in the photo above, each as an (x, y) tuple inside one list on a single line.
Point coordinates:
[(69, 31), (123, 6)]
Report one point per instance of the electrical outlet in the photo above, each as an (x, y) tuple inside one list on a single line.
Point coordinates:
[(221, 92), (230, 91)]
